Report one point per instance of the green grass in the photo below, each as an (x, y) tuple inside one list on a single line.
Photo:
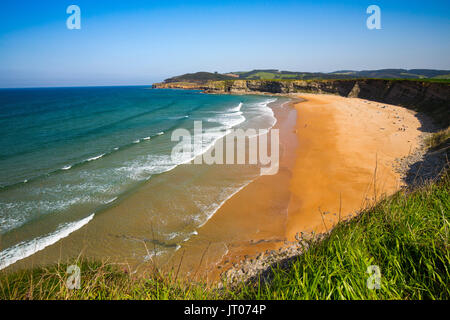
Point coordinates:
[(406, 236), (99, 281), (445, 77)]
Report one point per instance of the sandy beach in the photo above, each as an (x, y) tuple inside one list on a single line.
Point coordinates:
[(344, 161)]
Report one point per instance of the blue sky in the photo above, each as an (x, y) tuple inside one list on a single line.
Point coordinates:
[(140, 42)]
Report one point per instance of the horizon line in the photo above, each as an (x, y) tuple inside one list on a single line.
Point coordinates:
[(78, 86)]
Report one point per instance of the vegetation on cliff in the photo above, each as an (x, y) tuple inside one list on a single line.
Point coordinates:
[(273, 74), (198, 77)]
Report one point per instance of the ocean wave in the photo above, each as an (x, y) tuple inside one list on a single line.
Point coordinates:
[(230, 118), (77, 164), (23, 210), (111, 200), (262, 110), (27, 248), (96, 157), (238, 108), (144, 168)]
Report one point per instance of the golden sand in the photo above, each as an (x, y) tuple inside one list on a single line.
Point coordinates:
[(344, 161)]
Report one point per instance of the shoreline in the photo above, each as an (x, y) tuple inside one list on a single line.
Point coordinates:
[(238, 228)]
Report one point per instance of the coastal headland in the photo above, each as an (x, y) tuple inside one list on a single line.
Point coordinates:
[(430, 97)]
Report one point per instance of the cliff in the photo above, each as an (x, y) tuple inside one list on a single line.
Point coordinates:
[(425, 96)]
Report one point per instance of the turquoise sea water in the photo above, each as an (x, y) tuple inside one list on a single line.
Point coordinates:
[(66, 153)]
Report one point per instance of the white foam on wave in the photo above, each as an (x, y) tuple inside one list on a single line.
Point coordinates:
[(231, 117), (160, 133), (111, 200), (95, 158), (27, 248), (18, 213), (235, 109), (66, 167), (145, 167), (146, 138), (142, 169), (262, 110)]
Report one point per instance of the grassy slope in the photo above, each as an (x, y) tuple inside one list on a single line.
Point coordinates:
[(405, 235)]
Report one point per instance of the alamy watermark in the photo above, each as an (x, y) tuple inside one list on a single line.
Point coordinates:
[(74, 20), (374, 280), (74, 279), (374, 20)]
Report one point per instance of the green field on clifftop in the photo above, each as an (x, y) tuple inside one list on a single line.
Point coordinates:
[(273, 74)]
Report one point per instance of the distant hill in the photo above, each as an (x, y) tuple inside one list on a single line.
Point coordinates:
[(199, 77), (273, 74)]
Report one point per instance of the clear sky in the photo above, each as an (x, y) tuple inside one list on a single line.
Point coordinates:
[(140, 42)]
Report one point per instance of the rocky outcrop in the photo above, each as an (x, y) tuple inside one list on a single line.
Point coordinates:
[(429, 97)]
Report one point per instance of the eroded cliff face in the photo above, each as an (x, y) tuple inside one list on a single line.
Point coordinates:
[(429, 97)]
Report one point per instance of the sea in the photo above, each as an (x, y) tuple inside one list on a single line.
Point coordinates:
[(70, 155)]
